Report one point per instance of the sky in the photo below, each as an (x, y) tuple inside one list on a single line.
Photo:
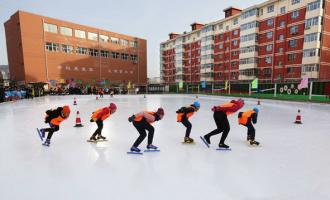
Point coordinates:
[(152, 20)]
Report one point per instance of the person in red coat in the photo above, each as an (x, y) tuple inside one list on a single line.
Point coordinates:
[(99, 116), (220, 115)]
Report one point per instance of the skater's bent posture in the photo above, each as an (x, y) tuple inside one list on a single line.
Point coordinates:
[(246, 119), (220, 117), (54, 118), (99, 116), (183, 115), (142, 122)]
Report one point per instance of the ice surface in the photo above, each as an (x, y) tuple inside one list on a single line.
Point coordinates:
[(293, 162)]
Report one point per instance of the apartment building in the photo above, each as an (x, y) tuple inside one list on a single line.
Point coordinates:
[(275, 41), (43, 49)]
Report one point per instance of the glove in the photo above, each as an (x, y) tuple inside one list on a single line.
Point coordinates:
[(131, 118), (214, 108), (92, 120), (157, 118)]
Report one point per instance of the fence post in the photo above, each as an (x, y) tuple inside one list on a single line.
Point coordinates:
[(212, 88), (249, 89), (311, 90), (275, 89)]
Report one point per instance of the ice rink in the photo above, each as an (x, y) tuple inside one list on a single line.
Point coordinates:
[(293, 162)]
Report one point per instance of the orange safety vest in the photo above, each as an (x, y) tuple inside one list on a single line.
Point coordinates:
[(180, 115), (245, 116), (56, 121), (227, 105), (94, 115), (137, 119)]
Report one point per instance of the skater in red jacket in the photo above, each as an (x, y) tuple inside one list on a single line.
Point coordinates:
[(142, 122), (54, 118), (99, 116), (220, 117)]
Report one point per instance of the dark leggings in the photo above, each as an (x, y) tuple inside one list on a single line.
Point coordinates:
[(53, 128), (223, 126), (187, 124), (99, 128), (251, 131), (141, 127)]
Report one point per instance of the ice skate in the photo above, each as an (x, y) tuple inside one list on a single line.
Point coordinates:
[(223, 147), (135, 150), (101, 138), (46, 143), (188, 140), (151, 148), (206, 141), (92, 139), (254, 143)]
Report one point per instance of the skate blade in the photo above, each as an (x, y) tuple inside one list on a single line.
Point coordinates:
[(41, 138), (94, 141), (208, 146), (254, 146), (132, 152), (46, 145), (223, 149), (152, 150), (188, 143)]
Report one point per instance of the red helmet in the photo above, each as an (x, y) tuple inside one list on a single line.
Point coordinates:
[(66, 110), (112, 106)]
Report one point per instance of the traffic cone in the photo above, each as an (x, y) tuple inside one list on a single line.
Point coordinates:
[(74, 101), (78, 121), (298, 118), (97, 98), (258, 103)]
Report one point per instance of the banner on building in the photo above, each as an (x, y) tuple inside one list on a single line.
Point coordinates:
[(303, 83), (129, 85), (203, 84), (181, 84)]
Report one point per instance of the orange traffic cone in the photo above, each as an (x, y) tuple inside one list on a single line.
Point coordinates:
[(298, 118), (74, 101), (78, 121)]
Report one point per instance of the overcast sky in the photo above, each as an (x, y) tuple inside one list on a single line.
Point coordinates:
[(148, 19)]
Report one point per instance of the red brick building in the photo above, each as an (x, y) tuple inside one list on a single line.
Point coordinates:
[(275, 41), (42, 49)]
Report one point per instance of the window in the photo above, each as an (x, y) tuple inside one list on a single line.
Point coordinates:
[(115, 55), (269, 35), (270, 22), (282, 24), (248, 61), (50, 46), (93, 52), (280, 50), (310, 52), (270, 9), (134, 58), (80, 34), (235, 42), (314, 5), (294, 30), (294, 2), (248, 49), (310, 68), (282, 10), (311, 37), (295, 14), (234, 53), (104, 38), (67, 48), (105, 54), (292, 57), (269, 47), (261, 12), (50, 28), (249, 25), (268, 60), (235, 21), (124, 42), (236, 32), (249, 37), (92, 36), (114, 40), (81, 51), (292, 43), (249, 13), (133, 44), (220, 26), (66, 31), (281, 37), (220, 46), (312, 22)]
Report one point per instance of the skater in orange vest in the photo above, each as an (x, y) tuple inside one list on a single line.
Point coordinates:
[(99, 116), (220, 115), (54, 118), (142, 122), (183, 115), (246, 119)]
